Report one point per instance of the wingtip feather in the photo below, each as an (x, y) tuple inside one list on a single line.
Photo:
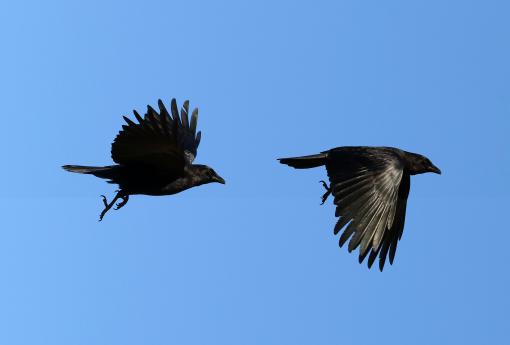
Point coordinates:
[(138, 117), (194, 120)]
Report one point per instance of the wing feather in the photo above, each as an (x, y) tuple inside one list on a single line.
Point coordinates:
[(175, 112), (184, 114), (346, 234), (194, 120), (340, 224)]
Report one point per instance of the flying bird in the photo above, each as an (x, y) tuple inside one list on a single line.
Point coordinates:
[(154, 156), (370, 186)]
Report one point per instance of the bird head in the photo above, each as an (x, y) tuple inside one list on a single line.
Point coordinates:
[(419, 164), (205, 174)]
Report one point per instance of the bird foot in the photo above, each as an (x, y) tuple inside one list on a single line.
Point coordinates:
[(125, 199), (328, 191), (108, 206)]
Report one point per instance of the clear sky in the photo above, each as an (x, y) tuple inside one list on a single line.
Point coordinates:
[(254, 261)]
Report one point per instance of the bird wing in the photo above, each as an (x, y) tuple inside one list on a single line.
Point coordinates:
[(365, 183), (166, 143)]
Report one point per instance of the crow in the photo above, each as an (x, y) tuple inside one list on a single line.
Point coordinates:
[(370, 186), (154, 156)]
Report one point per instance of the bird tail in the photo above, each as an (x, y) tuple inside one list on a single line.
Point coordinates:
[(103, 172), (305, 162)]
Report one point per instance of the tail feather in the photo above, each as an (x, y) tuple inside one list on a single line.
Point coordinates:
[(104, 172), (305, 162)]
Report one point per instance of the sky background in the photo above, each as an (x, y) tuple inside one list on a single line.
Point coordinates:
[(254, 261)]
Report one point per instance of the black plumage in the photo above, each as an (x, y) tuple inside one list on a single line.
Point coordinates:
[(154, 156), (370, 186)]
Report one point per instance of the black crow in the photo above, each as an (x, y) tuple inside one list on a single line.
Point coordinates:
[(154, 156), (370, 186)]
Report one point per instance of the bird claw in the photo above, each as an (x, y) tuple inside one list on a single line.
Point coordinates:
[(328, 191), (105, 202), (124, 201), (108, 206)]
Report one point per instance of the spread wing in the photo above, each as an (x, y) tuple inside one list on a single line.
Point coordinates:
[(159, 140), (365, 184)]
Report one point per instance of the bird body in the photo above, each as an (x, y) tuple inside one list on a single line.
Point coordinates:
[(143, 180), (154, 156), (370, 186)]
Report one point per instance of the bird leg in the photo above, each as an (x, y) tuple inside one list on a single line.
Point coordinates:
[(328, 191), (108, 206)]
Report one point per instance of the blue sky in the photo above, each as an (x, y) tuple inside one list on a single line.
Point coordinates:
[(254, 261)]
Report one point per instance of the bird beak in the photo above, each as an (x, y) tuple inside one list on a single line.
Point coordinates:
[(435, 169), (219, 179)]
